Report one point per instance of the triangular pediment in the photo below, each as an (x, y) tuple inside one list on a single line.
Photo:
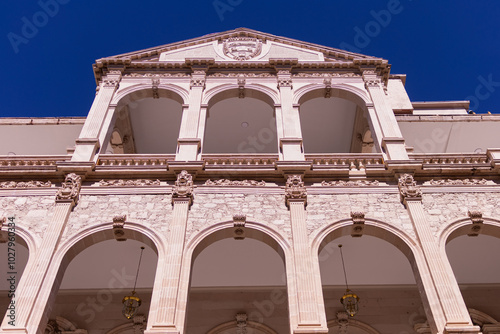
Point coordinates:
[(241, 45)]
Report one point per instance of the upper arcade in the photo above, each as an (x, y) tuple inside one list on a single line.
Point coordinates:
[(287, 104)]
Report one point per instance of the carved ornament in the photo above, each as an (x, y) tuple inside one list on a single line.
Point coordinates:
[(242, 48), (155, 83), (285, 82), (110, 83), (197, 82), (295, 189), (239, 222), (358, 219), (316, 74), (118, 227), (241, 323), (328, 87), (60, 325), (477, 223), (408, 188), (159, 75), (225, 182), (356, 183), (28, 184), (465, 182), (241, 86), (70, 189), (246, 75), (128, 183), (183, 188)]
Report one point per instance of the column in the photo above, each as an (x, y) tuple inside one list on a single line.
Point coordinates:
[(392, 140), (35, 288), (88, 143), (308, 281), (450, 298), (291, 142), (189, 142), (165, 304)]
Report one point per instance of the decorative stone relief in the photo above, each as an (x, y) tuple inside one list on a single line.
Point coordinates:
[(285, 82), (295, 189), (328, 87), (246, 75), (449, 182), (339, 75), (241, 323), (3, 234), (60, 325), (343, 322), (155, 83), (162, 75), (239, 226), (241, 86), (408, 188), (356, 183), (358, 219), (119, 227), (70, 189), (197, 83), (477, 223), (28, 184), (242, 48), (128, 183), (139, 324), (183, 187), (110, 83), (225, 182)]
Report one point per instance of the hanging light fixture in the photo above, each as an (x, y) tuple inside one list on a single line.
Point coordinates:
[(131, 303), (349, 299)]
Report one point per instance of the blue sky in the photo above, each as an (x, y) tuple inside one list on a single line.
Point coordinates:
[(448, 49)]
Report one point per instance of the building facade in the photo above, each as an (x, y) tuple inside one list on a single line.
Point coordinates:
[(241, 161)]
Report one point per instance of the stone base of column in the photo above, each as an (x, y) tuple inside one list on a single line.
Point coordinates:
[(13, 331), (162, 330), (310, 329), (461, 328)]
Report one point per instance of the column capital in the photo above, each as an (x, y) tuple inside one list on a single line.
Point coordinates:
[(408, 189), (183, 188), (295, 191), (70, 189)]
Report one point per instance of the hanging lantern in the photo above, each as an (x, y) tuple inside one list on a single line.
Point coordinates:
[(131, 303), (349, 300)]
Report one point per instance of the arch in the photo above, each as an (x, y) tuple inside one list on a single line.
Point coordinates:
[(221, 92), (361, 326), (223, 230), (348, 92), (27, 239), (462, 226), (260, 328), (143, 90), (399, 239), (261, 231), (77, 243), (373, 227)]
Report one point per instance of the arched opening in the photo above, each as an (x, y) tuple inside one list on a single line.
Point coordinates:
[(238, 277), (238, 124), (145, 122), (334, 124), (474, 260), (94, 276), (14, 252), (381, 270)]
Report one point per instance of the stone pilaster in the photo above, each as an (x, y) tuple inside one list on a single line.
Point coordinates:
[(391, 139), (88, 142), (457, 319), (308, 280), (165, 304), (36, 285), (189, 143), (291, 142)]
